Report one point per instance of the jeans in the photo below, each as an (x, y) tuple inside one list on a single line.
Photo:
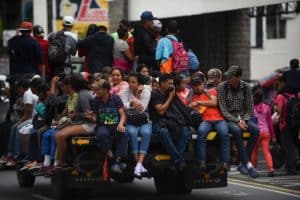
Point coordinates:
[(145, 130), (222, 133), (177, 150), (15, 141), (244, 152), (48, 145), (104, 137)]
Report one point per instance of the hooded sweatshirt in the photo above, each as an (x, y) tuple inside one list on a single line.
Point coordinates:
[(263, 113)]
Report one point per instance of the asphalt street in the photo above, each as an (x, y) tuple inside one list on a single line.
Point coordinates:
[(239, 188)]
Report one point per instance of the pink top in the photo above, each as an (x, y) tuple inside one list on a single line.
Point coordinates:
[(281, 101), (263, 113), (119, 89)]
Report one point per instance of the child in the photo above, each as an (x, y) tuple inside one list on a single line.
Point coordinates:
[(266, 131)]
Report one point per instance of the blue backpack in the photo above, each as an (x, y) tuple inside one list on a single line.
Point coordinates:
[(194, 61)]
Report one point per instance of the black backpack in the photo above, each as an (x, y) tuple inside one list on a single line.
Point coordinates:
[(57, 52), (293, 112)]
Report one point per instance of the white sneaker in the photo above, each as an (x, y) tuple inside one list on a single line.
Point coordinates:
[(137, 171), (143, 170)]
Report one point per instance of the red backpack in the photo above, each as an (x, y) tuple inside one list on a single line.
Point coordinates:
[(180, 57)]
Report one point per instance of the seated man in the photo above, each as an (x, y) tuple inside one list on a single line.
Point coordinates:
[(207, 103), (167, 120), (236, 104)]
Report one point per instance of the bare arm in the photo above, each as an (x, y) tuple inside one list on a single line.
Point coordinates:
[(162, 108)]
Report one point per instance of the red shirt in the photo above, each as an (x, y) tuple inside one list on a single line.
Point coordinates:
[(44, 46), (281, 101)]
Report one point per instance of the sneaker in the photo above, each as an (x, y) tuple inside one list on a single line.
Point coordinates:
[(116, 168), (3, 160), (243, 170), (11, 163), (144, 171), (201, 166), (35, 166), (253, 172), (271, 174), (43, 171), (137, 172), (123, 165)]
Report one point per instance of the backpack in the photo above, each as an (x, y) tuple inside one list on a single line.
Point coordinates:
[(194, 61), (293, 112), (180, 57), (57, 52)]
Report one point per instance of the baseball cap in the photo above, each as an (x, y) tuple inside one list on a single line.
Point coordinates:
[(25, 26), (213, 75), (157, 25), (68, 20), (233, 71), (38, 31), (196, 80), (147, 15)]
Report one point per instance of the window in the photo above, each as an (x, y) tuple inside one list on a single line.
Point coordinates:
[(276, 26)]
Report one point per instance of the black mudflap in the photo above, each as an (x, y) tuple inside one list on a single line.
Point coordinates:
[(210, 178)]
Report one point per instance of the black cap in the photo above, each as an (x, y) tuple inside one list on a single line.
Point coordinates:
[(38, 31)]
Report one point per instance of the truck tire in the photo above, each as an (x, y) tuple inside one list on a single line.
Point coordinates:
[(25, 178), (58, 184), (165, 184), (184, 182)]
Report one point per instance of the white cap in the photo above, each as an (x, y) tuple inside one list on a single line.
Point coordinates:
[(68, 20), (157, 24)]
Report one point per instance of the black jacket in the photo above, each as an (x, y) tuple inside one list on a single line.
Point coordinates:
[(25, 54), (144, 46), (99, 49)]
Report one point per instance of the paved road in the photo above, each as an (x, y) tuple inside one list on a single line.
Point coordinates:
[(239, 188)]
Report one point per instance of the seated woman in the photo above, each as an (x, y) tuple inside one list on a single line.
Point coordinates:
[(78, 102), (110, 117), (206, 103), (118, 85), (136, 99)]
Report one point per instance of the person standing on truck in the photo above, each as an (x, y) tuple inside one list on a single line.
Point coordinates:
[(144, 40), (168, 121), (62, 44), (236, 104), (25, 53), (39, 33), (99, 47), (212, 120)]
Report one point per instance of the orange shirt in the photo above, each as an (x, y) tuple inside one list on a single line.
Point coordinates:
[(208, 113)]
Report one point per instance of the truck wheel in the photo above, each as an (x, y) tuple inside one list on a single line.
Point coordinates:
[(184, 182), (58, 184), (165, 184), (25, 178)]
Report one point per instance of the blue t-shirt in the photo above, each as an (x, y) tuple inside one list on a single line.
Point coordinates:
[(107, 112), (164, 48)]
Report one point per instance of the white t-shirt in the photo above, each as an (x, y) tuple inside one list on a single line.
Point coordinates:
[(30, 98)]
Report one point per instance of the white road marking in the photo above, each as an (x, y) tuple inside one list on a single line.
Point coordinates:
[(289, 192), (37, 196)]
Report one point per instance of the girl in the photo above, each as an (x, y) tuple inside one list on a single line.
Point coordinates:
[(263, 113)]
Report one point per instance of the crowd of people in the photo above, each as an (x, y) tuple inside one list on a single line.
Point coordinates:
[(139, 83)]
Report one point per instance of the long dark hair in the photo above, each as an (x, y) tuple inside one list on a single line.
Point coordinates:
[(258, 96)]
